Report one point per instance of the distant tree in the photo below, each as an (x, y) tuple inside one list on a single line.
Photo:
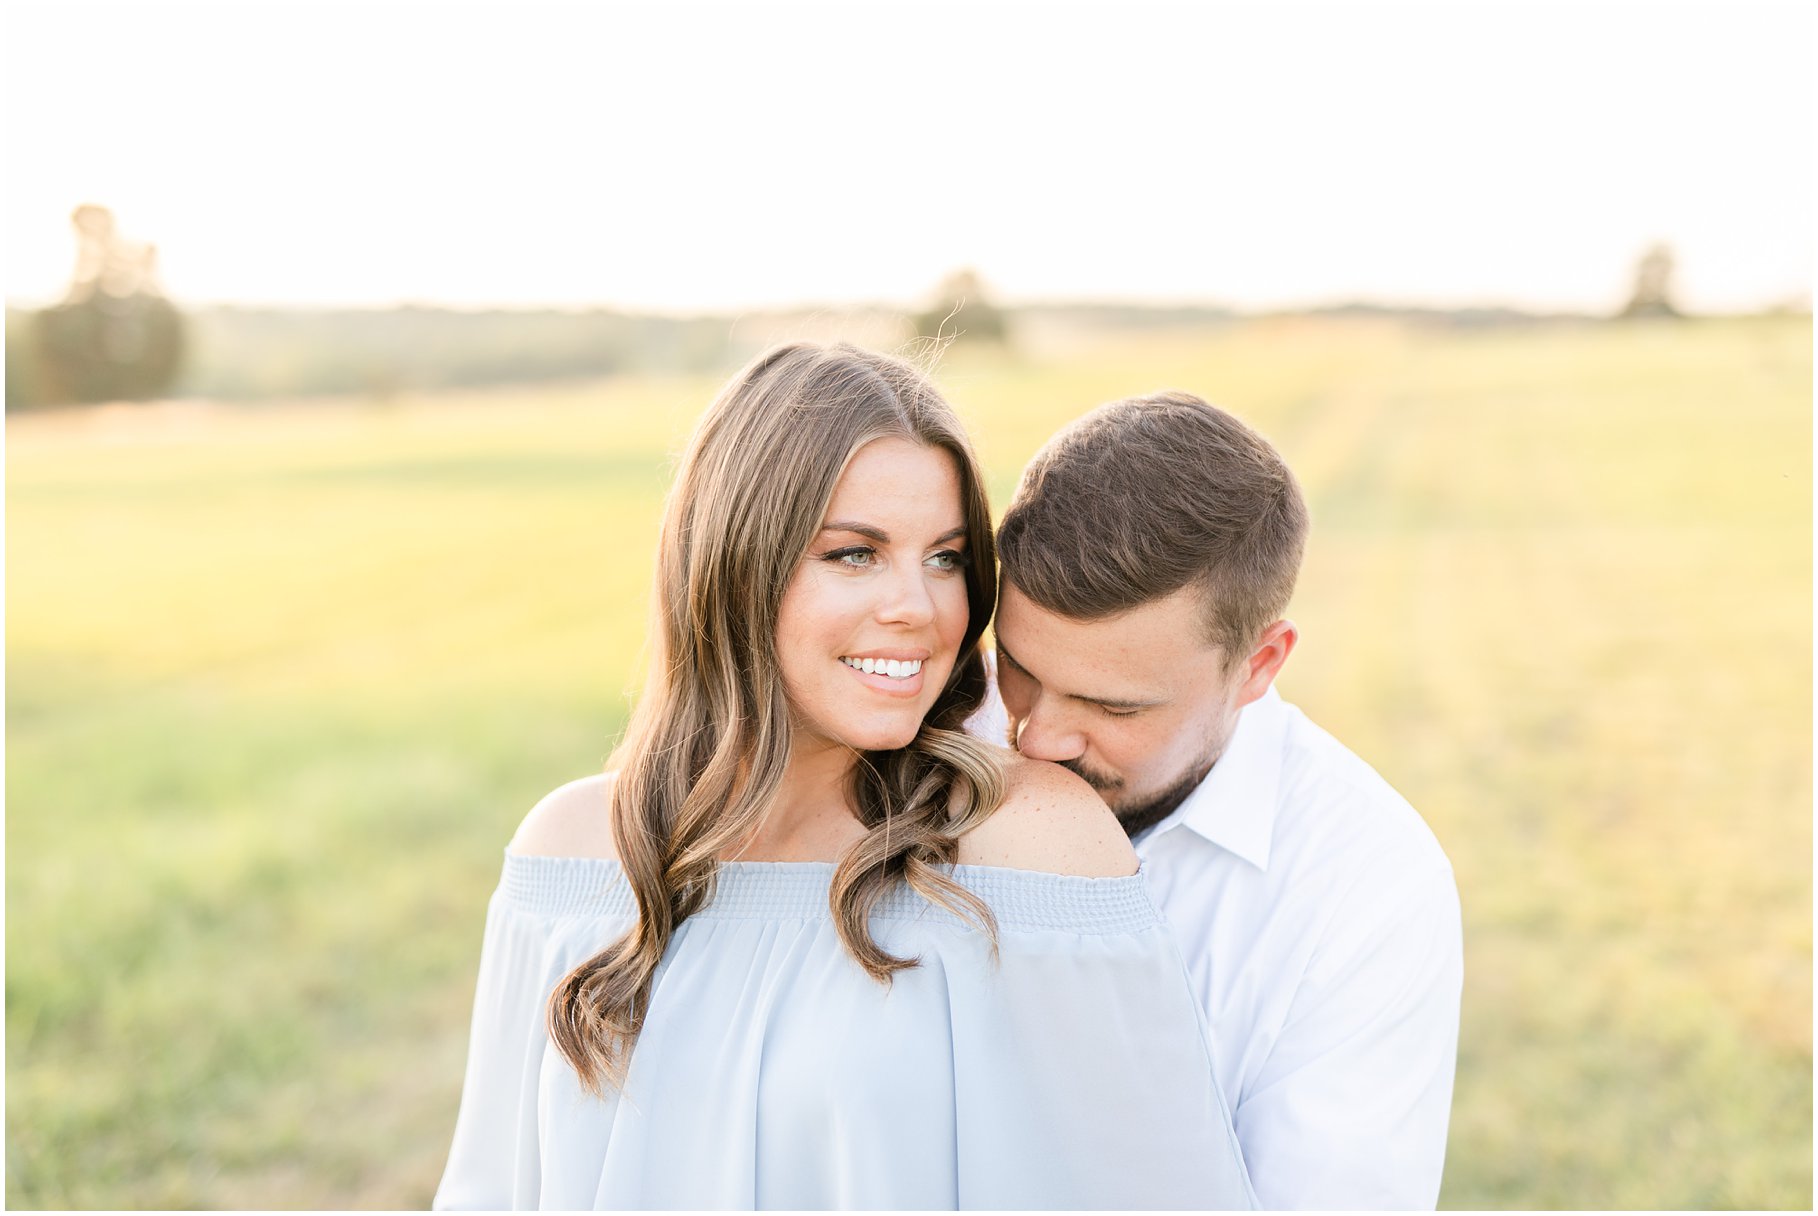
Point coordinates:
[(962, 310), (23, 390), (115, 337), (1653, 294)]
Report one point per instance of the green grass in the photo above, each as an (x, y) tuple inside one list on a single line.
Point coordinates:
[(281, 682)]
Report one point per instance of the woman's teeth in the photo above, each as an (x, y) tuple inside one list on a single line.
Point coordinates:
[(896, 669)]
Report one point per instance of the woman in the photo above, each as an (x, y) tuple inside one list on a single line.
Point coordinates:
[(810, 945)]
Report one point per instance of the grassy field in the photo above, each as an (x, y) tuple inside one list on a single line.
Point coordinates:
[(280, 683)]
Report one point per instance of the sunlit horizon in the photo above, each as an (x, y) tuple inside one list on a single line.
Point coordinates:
[(699, 159)]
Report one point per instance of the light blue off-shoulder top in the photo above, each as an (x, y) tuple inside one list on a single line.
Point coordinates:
[(1072, 1071)]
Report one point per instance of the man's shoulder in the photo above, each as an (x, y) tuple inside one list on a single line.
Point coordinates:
[(1289, 812), (1335, 802), (1350, 864)]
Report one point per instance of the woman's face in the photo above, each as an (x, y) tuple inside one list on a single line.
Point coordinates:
[(882, 586)]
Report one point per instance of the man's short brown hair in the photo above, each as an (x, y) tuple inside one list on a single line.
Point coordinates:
[(1143, 497)]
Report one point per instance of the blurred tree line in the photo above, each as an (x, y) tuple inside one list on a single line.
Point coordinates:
[(115, 337), (257, 353), (233, 353), (251, 354)]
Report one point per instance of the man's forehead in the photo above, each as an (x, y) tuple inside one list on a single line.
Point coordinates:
[(1136, 653)]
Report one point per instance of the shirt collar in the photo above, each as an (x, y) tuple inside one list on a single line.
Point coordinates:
[(1234, 807)]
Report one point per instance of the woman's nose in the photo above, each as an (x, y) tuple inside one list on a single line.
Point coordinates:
[(907, 599)]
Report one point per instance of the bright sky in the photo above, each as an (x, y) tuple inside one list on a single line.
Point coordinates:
[(702, 156)]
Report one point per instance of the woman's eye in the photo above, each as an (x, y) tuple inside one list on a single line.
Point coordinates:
[(857, 557), (948, 559)]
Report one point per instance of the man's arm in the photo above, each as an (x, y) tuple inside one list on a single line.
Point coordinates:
[(1351, 1106)]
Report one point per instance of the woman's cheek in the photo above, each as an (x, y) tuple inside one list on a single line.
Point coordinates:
[(955, 613)]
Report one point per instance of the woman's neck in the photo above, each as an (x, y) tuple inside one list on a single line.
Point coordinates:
[(812, 817)]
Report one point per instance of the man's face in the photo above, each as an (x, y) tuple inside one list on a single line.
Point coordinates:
[(1139, 704)]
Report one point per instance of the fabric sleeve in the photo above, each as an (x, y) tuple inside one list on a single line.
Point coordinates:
[(494, 1161), (1083, 1078), (990, 721), (1351, 1108)]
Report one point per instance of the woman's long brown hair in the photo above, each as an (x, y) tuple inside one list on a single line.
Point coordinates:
[(706, 750)]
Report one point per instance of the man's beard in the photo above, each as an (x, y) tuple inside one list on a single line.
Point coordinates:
[(1140, 816)]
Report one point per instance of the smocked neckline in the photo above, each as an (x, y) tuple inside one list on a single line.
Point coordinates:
[(798, 890)]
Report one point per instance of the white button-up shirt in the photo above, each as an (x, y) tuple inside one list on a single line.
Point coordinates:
[(1319, 921)]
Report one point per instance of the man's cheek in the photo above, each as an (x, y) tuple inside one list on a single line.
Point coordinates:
[(1132, 751)]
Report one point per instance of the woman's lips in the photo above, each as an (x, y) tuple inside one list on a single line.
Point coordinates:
[(894, 686)]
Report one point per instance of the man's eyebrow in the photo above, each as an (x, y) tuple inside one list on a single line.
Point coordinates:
[(1106, 702), (1004, 654), (870, 532)]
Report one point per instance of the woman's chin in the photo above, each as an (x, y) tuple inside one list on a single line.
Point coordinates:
[(885, 741), (883, 736), (864, 725)]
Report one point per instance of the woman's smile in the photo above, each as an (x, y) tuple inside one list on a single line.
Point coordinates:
[(896, 677)]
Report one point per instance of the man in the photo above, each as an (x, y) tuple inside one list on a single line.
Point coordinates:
[(1146, 563)]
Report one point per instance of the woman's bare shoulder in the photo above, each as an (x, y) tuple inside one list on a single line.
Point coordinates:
[(573, 820), (1050, 820)]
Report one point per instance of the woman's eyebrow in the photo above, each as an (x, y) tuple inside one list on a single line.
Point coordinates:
[(882, 537), (864, 530)]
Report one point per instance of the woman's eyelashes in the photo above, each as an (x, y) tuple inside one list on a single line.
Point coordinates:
[(856, 557), (864, 557)]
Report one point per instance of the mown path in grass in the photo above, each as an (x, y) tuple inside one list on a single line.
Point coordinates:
[(280, 683)]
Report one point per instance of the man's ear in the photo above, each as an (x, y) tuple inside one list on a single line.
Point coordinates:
[(1259, 670)]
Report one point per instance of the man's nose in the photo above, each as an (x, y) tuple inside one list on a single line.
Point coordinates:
[(1040, 735)]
